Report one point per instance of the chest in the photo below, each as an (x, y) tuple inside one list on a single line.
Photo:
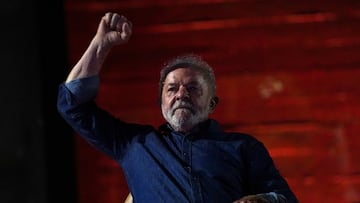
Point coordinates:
[(208, 157)]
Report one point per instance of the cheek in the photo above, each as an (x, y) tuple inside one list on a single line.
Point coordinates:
[(165, 102), (203, 104)]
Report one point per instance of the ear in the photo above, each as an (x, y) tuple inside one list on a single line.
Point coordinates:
[(213, 103)]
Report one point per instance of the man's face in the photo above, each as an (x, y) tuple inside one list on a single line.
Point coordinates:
[(185, 99)]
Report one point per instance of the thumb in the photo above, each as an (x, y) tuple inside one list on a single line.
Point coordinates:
[(102, 26)]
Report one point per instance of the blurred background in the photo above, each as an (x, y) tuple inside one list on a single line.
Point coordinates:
[(287, 72)]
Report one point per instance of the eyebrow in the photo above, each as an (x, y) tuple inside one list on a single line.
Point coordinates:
[(170, 84), (174, 83)]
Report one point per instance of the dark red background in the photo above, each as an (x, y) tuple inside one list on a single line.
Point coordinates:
[(288, 72)]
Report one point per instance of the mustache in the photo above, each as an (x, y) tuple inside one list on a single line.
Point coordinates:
[(182, 104)]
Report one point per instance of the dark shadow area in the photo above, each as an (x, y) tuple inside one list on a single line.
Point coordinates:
[(36, 146)]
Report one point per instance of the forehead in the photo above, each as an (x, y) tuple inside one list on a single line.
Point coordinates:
[(184, 75)]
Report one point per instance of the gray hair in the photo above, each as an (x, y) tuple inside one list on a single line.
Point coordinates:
[(188, 61)]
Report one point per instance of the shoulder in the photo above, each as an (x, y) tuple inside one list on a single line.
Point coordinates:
[(240, 136), (246, 144)]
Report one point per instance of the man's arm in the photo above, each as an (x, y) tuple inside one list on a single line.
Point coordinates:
[(265, 183), (75, 98), (113, 30)]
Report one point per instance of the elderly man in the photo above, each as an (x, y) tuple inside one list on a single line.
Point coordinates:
[(187, 159)]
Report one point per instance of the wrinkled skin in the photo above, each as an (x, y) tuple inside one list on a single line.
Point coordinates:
[(186, 99)]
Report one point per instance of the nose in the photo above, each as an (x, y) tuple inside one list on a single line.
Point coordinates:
[(182, 93)]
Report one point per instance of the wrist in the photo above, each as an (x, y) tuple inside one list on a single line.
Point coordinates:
[(101, 47)]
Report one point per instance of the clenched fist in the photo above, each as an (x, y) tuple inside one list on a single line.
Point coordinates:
[(114, 29)]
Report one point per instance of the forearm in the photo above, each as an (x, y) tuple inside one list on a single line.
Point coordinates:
[(91, 61), (112, 30)]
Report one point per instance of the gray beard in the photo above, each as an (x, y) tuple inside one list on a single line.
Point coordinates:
[(185, 120)]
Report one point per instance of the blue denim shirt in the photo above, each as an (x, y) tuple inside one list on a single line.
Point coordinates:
[(161, 165)]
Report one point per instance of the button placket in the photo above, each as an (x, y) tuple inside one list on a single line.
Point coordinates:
[(193, 178), (186, 153)]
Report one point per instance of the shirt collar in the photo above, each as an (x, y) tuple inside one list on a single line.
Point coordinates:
[(209, 126)]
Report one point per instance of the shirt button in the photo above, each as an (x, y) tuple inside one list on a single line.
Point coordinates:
[(188, 168), (184, 153)]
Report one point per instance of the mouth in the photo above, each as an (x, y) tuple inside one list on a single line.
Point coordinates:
[(183, 107)]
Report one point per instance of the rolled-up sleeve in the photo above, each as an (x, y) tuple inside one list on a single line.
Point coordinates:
[(84, 89)]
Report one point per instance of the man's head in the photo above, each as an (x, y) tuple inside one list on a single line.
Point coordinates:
[(187, 92)]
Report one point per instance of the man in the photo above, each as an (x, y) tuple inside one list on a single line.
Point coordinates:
[(189, 158)]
